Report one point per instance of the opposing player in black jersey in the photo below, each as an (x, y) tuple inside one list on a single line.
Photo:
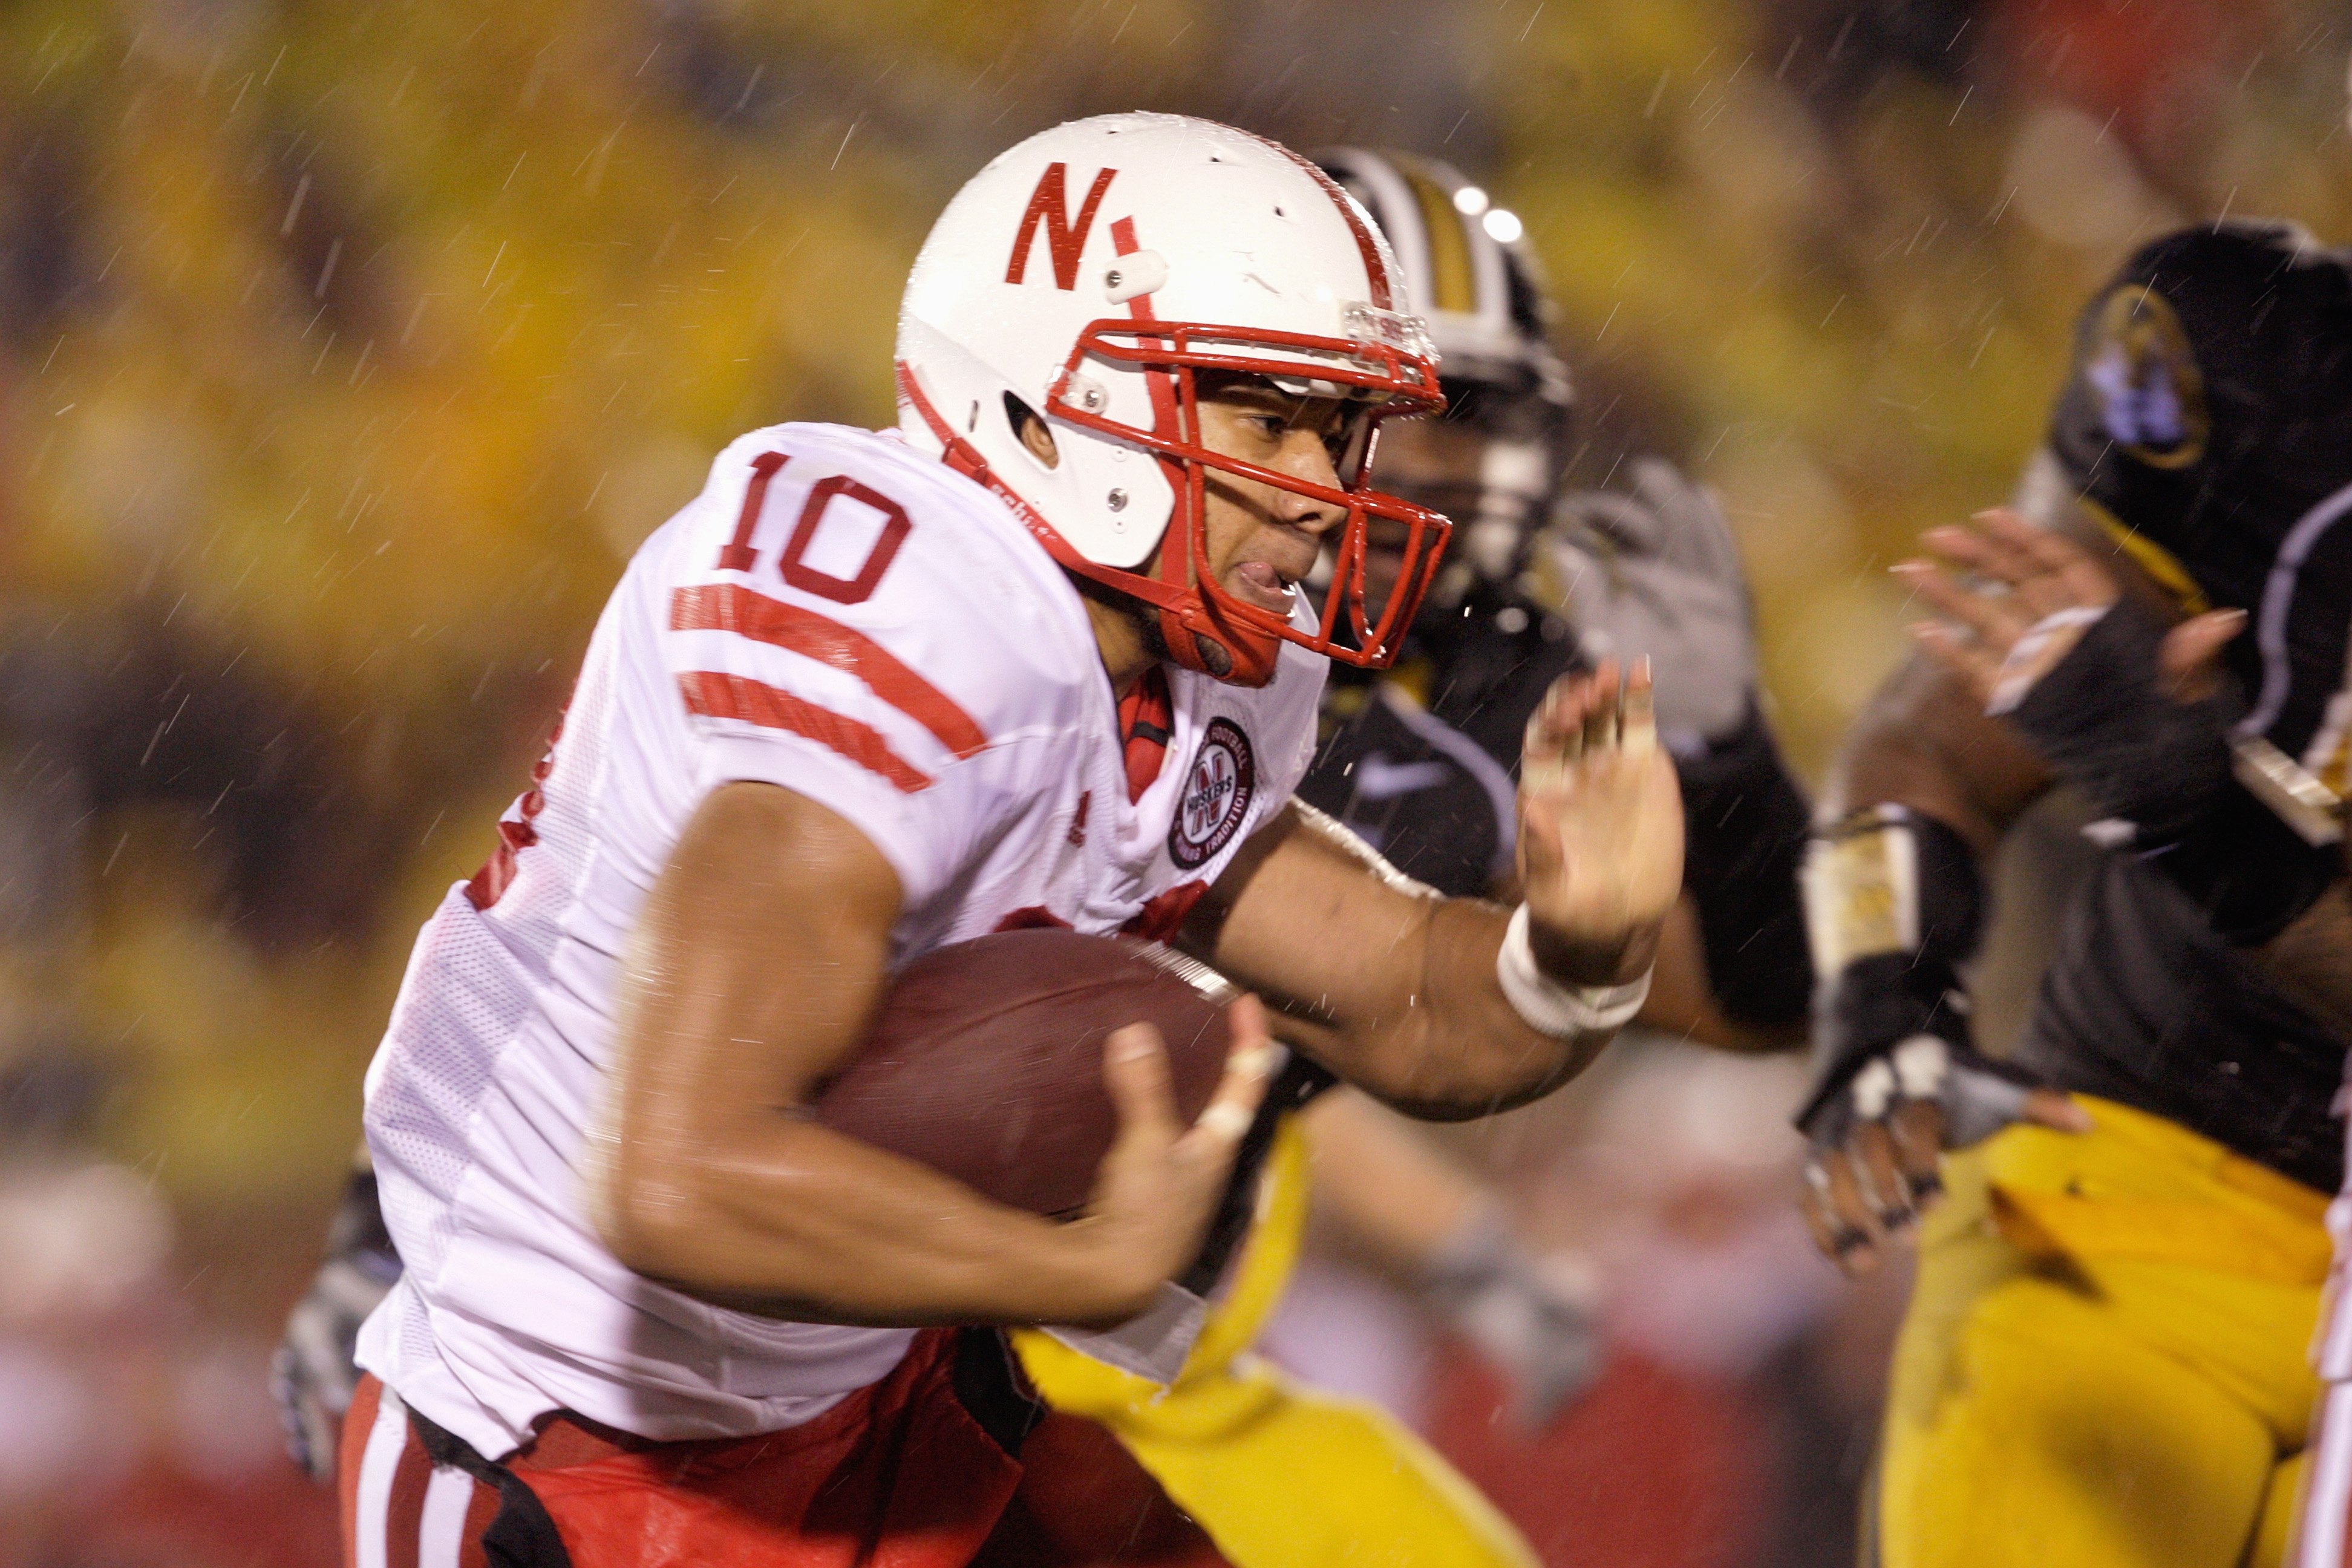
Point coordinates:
[(1419, 762), (1541, 579), (2104, 1358)]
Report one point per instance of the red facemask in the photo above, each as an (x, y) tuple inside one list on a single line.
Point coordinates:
[(1205, 626)]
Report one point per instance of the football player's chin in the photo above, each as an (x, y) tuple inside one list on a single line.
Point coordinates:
[(1256, 583)]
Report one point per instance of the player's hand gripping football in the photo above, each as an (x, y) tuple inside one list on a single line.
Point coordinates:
[(1159, 1185), (1600, 823)]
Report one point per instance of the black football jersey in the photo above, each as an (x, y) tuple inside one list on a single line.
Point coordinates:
[(2208, 426), (1421, 762)]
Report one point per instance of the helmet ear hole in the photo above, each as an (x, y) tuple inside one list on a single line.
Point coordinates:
[(1029, 429)]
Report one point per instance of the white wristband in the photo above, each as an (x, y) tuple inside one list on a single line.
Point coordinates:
[(1551, 1008)]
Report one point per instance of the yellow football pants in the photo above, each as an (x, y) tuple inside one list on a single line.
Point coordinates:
[(1279, 1475), (2104, 1364)]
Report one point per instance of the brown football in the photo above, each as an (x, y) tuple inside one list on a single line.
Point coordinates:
[(987, 1061)]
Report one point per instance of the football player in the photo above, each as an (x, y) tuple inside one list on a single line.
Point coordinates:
[(1041, 654), (1644, 568), (1544, 578), (2104, 1359), (1418, 759)]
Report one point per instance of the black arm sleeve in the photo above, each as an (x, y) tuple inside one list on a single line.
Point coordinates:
[(1744, 822)]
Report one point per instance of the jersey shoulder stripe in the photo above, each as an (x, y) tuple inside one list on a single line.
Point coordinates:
[(715, 694), (732, 607), (833, 591)]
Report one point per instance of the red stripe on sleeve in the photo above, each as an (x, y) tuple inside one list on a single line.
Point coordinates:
[(731, 607), (715, 695)]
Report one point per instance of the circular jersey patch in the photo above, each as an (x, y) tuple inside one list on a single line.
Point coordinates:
[(1217, 790)]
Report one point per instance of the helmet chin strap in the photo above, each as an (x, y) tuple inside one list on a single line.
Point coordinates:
[(1194, 634), (1195, 651)]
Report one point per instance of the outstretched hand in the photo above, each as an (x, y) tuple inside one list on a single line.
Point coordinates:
[(1600, 822), (1649, 568), (2037, 593)]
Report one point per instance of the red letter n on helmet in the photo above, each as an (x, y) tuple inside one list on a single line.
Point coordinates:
[(1064, 239)]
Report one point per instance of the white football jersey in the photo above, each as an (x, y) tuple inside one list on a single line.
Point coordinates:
[(843, 616)]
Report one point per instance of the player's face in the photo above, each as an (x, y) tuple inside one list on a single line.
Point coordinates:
[(1434, 462), (1262, 541)]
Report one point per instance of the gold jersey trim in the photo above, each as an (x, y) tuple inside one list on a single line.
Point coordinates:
[(2153, 559)]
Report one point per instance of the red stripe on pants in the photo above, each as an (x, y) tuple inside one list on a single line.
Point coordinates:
[(406, 1510), (358, 1422), (899, 1474), (478, 1515)]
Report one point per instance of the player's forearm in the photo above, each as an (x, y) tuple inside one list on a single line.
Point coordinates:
[(793, 1220), (1921, 743), (1439, 1040), (1744, 820), (1391, 986), (755, 970), (1686, 998)]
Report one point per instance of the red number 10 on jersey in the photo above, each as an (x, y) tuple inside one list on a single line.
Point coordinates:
[(737, 554)]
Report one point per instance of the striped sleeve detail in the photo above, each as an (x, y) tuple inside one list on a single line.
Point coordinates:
[(717, 695), (731, 607)]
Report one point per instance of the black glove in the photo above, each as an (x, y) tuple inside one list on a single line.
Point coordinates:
[(313, 1375), (2171, 775), (1895, 904)]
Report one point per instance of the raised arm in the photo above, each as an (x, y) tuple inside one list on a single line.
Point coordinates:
[(1649, 567), (756, 968), (1402, 992), (2091, 675), (1919, 796), (2093, 669)]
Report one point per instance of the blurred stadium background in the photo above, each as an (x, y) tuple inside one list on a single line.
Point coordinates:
[(346, 349)]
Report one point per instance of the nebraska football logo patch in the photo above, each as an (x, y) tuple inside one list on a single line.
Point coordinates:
[(1217, 790)]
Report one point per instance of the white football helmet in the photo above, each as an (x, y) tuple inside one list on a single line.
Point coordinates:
[(1086, 276)]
